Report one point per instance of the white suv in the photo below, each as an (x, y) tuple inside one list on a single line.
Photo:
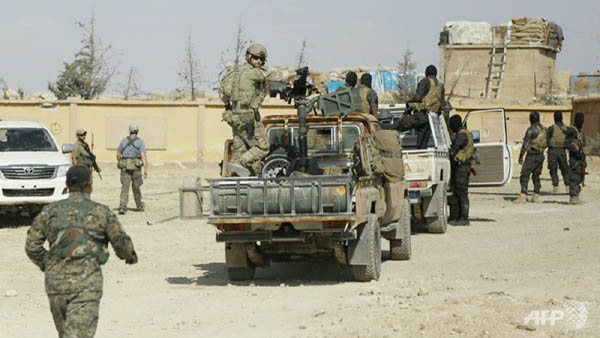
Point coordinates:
[(32, 168)]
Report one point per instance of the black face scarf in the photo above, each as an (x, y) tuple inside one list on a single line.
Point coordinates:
[(578, 120), (534, 117), (558, 116), (455, 123)]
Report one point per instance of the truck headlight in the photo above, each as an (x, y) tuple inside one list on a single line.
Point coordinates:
[(62, 170), (1, 175)]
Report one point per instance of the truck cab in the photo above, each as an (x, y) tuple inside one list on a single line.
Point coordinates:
[(32, 167)]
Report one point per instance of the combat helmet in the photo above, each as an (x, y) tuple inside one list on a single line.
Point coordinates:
[(256, 49)]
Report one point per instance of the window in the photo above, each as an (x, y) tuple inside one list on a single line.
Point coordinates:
[(319, 138), (26, 139)]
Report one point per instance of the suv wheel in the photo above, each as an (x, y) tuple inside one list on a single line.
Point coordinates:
[(400, 249), (439, 224), (369, 232)]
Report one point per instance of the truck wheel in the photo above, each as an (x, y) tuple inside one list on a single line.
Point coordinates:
[(241, 274), (400, 249), (439, 224), (371, 234), (239, 266)]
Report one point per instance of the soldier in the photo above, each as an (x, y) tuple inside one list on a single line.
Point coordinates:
[(461, 155), (557, 156), (577, 163), (82, 154), (368, 97), (243, 91), (78, 231), (534, 143), (131, 157)]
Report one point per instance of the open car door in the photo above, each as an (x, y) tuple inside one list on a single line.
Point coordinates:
[(488, 128)]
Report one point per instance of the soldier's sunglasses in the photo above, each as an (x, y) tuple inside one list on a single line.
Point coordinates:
[(256, 57)]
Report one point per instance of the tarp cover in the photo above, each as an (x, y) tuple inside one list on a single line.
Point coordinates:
[(469, 33)]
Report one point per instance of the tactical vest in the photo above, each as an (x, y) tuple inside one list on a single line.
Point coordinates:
[(465, 154), (363, 92), (540, 142), (559, 135), (431, 102), (245, 87), (85, 159)]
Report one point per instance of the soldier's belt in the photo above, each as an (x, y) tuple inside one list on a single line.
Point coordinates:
[(245, 116), (240, 106)]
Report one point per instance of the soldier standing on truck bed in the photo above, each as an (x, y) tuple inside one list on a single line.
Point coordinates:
[(557, 156), (368, 97), (577, 163), (78, 231), (461, 155), (243, 91), (131, 157), (534, 143)]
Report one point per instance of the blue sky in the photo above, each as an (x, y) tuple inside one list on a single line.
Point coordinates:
[(38, 36)]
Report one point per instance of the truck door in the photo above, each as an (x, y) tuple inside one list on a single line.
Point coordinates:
[(488, 128)]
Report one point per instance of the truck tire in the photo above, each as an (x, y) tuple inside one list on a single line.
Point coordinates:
[(439, 224), (400, 249), (239, 267), (372, 235)]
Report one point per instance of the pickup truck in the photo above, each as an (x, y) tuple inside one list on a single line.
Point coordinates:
[(427, 171), (342, 212), (32, 168)]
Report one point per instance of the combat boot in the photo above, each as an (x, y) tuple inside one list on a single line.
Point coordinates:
[(521, 199), (122, 211), (462, 221), (574, 200), (555, 190), (534, 198)]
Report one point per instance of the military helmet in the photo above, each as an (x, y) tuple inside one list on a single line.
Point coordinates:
[(258, 50)]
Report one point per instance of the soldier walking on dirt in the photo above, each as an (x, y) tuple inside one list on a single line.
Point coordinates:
[(557, 156), (78, 231), (243, 91), (577, 162), (534, 143), (82, 154), (461, 155), (131, 158), (368, 97)]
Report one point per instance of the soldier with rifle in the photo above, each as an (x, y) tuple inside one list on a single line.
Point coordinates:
[(577, 162), (82, 154)]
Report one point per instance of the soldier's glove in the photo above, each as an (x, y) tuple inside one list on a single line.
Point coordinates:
[(520, 160), (132, 260)]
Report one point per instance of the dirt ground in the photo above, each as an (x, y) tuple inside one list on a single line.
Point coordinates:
[(477, 281)]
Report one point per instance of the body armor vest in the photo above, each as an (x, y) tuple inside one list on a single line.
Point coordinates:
[(431, 101), (540, 142), (465, 154), (247, 89), (559, 136)]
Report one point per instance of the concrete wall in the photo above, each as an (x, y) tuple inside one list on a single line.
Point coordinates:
[(528, 70), (173, 131)]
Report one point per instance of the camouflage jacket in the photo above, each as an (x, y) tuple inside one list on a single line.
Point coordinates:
[(78, 231), (81, 155), (244, 88)]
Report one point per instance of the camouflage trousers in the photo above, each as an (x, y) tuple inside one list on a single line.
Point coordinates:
[(534, 162), (75, 314), (249, 149), (134, 179), (557, 158), (575, 176)]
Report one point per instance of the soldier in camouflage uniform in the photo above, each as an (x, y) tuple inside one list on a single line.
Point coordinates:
[(557, 156), (82, 153), (78, 231), (534, 143), (461, 155), (243, 91), (368, 97), (577, 162), (131, 158)]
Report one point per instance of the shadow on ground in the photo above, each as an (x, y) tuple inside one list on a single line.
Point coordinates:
[(306, 272), (14, 221)]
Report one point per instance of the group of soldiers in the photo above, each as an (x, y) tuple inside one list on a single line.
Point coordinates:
[(559, 139), (78, 230)]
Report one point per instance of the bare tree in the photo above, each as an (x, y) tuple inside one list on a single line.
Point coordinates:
[(190, 69), (406, 80), (131, 87), (91, 72), (302, 59), (235, 53)]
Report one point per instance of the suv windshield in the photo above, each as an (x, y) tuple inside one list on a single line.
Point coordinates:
[(26, 139)]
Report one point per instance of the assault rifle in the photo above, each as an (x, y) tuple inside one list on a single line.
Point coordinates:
[(86, 147)]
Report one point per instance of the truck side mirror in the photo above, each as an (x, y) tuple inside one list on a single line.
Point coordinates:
[(67, 148), (476, 136)]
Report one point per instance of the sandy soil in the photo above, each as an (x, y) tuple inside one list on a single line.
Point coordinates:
[(477, 281)]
